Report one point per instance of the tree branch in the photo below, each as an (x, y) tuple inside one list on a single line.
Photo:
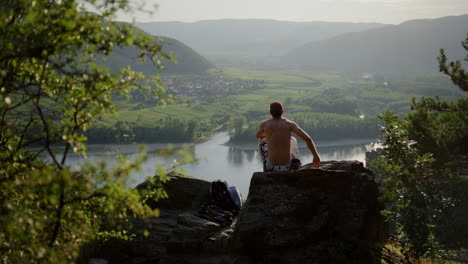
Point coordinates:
[(91, 196), (59, 213), (19, 145)]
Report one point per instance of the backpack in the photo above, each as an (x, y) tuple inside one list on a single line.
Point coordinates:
[(226, 197), (223, 204), (236, 197)]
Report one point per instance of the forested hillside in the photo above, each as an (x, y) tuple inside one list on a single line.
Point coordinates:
[(249, 41), (187, 60), (410, 47)]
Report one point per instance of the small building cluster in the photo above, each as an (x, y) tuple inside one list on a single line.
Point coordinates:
[(201, 86)]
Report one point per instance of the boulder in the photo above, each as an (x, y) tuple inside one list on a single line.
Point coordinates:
[(326, 215), (185, 193)]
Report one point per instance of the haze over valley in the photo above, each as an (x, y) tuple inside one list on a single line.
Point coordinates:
[(248, 41), (342, 75), (411, 46)]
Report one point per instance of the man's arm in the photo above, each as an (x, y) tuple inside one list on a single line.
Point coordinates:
[(308, 140), (261, 131)]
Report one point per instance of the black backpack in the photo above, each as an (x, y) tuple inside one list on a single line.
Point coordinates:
[(226, 197), (223, 204)]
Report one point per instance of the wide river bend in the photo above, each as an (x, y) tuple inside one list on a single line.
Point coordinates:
[(216, 160)]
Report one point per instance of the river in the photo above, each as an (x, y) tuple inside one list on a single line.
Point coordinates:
[(216, 160)]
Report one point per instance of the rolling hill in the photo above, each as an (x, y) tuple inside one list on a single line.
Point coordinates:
[(187, 60), (410, 47), (234, 41)]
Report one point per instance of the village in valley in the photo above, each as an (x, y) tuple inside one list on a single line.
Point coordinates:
[(202, 86)]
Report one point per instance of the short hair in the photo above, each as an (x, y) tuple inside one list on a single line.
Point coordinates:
[(276, 109)]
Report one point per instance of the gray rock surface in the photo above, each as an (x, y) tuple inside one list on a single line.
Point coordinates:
[(326, 215), (185, 193)]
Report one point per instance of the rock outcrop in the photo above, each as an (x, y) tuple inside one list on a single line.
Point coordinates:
[(326, 215)]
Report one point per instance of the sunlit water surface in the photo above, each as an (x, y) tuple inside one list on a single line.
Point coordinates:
[(216, 160)]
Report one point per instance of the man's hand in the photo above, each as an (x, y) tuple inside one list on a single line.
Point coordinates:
[(316, 162)]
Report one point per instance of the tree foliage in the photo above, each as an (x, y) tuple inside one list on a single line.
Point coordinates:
[(51, 90), (321, 126), (454, 69), (423, 165), (236, 126), (164, 130)]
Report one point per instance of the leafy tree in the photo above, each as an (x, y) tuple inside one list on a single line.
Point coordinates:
[(236, 125), (51, 90), (321, 126), (424, 166), (454, 69), (124, 132)]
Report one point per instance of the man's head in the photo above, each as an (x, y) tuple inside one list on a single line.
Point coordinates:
[(276, 109)]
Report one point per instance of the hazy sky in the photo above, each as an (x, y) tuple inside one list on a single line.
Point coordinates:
[(383, 11)]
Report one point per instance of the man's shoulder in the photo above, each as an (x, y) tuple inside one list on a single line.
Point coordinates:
[(290, 122), (275, 121), (279, 123)]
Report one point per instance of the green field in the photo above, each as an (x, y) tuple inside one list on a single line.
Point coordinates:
[(332, 98)]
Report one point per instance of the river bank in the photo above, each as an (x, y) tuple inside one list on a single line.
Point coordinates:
[(253, 145), (215, 158)]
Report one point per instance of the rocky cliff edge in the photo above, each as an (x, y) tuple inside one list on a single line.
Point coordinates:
[(326, 215)]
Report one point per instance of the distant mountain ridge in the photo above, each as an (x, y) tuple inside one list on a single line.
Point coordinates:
[(239, 40), (187, 60), (411, 46)]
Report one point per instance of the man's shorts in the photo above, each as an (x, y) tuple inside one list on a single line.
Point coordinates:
[(268, 167), (293, 164)]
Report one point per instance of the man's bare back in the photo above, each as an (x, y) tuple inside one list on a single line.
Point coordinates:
[(277, 132), (278, 135)]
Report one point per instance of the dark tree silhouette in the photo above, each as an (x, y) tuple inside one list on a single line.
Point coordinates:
[(454, 69)]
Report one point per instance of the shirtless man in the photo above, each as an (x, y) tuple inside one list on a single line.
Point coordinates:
[(277, 132)]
